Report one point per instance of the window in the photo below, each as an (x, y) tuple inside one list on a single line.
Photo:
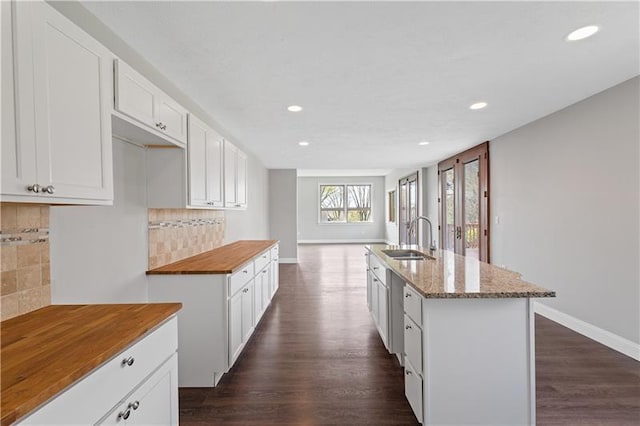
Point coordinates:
[(345, 203)]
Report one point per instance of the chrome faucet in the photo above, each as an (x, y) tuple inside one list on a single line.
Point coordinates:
[(412, 229)]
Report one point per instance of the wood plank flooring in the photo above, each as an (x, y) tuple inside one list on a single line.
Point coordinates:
[(316, 359)]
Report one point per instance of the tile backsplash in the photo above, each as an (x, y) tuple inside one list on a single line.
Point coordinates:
[(24, 251), (175, 234)]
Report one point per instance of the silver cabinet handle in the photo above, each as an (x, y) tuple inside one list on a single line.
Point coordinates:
[(407, 295), (49, 189), (375, 280), (264, 272), (407, 327), (246, 290), (375, 268), (238, 205), (134, 405), (408, 373), (128, 361), (245, 271), (34, 188), (124, 414)]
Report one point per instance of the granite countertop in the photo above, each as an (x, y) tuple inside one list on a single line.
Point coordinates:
[(452, 276), (47, 350), (222, 260)]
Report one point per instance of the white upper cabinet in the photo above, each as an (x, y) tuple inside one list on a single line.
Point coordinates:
[(205, 165), (57, 147), (140, 100), (235, 177)]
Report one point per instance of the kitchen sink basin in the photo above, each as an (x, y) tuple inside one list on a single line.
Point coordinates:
[(403, 254)]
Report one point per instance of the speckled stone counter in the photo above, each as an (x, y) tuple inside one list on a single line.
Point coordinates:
[(448, 275)]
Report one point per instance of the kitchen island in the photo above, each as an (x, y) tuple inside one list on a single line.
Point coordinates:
[(464, 332)]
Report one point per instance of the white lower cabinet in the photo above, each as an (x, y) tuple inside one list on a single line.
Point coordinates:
[(143, 375), (153, 403), (413, 387), (218, 316), (469, 361)]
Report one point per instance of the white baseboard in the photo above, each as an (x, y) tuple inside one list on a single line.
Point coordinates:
[(600, 335), (288, 260), (351, 241), (390, 243)]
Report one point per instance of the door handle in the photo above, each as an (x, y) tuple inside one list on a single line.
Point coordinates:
[(458, 232)]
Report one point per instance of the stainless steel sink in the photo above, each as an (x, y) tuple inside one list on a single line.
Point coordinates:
[(404, 254)]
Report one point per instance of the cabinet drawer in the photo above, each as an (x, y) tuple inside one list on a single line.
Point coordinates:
[(413, 304), (238, 279), (378, 268), (413, 343), (86, 401), (413, 390), (262, 260)]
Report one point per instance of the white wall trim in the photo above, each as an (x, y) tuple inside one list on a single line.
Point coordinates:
[(365, 241), (288, 260), (390, 243), (600, 335)]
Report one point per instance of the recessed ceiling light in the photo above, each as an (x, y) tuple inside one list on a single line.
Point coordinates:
[(303, 143), (582, 33), (478, 105), (294, 108), (423, 143)]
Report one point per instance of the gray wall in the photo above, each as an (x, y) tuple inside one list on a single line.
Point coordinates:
[(565, 189), (283, 211), (99, 254), (308, 204)]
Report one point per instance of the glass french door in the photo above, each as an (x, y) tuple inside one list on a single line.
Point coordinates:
[(464, 203), (408, 208)]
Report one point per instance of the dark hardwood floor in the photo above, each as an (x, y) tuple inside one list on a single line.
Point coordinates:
[(316, 358)]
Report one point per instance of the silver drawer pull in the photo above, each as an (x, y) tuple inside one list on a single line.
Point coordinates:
[(124, 414), (375, 268), (34, 188), (407, 327), (409, 373), (264, 272), (246, 290), (407, 295), (375, 280), (128, 361), (134, 405), (245, 272)]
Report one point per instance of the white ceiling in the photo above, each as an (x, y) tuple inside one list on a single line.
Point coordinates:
[(375, 78)]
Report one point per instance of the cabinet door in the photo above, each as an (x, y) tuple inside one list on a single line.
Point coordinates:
[(215, 158), (230, 176), (266, 287), (197, 162), (247, 311), (258, 303), (413, 386), (369, 281), (241, 180), (135, 96), (18, 158), (70, 77), (275, 276), (374, 299), (235, 326), (383, 312), (171, 117), (155, 402)]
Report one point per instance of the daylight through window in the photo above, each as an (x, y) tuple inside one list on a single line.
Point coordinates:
[(345, 203)]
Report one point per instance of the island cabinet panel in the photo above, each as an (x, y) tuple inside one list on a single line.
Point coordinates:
[(220, 311), (149, 364), (413, 389)]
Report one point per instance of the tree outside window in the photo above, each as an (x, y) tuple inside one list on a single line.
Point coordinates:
[(345, 203)]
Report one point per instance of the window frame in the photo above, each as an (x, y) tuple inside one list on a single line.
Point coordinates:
[(345, 208)]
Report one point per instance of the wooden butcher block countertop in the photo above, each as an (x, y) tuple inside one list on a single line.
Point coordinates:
[(45, 351), (222, 260)]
